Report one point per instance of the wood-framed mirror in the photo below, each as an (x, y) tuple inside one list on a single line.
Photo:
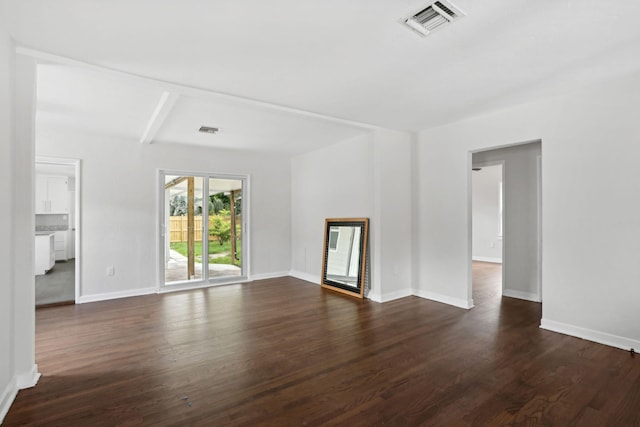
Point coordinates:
[(345, 255)]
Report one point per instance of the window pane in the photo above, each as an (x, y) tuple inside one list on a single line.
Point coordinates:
[(183, 238)]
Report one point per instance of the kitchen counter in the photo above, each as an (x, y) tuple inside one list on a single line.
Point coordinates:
[(45, 251)]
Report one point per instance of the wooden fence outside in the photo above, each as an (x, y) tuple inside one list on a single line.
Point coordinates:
[(178, 230)]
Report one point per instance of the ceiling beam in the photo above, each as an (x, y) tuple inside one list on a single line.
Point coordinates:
[(187, 90), (159, 116), (175, 182)]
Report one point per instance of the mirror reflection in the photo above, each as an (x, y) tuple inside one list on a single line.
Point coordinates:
[(345, 255)]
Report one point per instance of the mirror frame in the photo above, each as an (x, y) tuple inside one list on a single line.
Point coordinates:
[(358, 291)]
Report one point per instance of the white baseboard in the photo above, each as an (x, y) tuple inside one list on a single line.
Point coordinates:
[(590, 335), (373, 296), (529, 296), (18, 382), (445, 299), (390, 296), (264, 276), (115, 295), (6, 398), (29, 379), (305, 276), (487, 259)]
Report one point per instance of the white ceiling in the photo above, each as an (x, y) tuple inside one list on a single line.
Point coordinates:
[(351, 60), (98, 101)]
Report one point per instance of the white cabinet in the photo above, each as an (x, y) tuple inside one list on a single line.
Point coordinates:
[(58, 189), (61, 245), (41, 193), (52, 194), (45, 253)]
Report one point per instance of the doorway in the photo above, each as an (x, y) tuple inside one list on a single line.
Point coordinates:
[(521, 219), (203, 229), (487, 218), (57, 219)]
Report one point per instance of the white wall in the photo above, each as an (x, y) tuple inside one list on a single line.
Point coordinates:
[(17, 300), (487, 241), (334, 182), (521, 272), (367, 176), (23, 226), (7, 383), (590, 206), (392, 235), (443, 222), (118, 223)]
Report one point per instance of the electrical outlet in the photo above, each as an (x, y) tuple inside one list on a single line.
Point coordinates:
[(111, 271)]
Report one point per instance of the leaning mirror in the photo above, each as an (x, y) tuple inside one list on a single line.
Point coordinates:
[(345, 255)]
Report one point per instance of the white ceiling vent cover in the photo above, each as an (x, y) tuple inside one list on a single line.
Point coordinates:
[(433, 17)]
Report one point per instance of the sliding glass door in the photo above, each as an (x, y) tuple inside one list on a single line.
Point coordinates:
[(225, 227), (203, 229)]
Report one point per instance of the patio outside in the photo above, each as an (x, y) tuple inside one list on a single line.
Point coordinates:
[(186, 208)]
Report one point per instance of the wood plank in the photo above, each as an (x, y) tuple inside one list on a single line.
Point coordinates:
[(283, 352), (191, 254), (232, 205)]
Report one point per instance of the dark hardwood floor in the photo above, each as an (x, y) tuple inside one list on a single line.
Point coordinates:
[(282, 352)]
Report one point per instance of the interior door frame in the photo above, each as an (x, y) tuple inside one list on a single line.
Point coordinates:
[(76, 163), (205, 282), (539, 216)]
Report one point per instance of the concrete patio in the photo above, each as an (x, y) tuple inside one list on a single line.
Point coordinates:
[(176, 269)]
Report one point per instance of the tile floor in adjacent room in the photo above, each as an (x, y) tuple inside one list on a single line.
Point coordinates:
[(58, 285)]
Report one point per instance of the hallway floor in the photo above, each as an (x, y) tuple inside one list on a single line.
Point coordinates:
[(487, 282)]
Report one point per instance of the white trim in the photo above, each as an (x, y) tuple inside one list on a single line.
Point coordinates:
[(28, 380), (6, 398), (189, 286), (390, 296), (539, 224), (487, 259), (313, 279), (445, 299), (528, 296), (247, 232), (590, 335), (273, 275), (18, 382), (161, 285), (185, 90), (115, 295), (373, 296)]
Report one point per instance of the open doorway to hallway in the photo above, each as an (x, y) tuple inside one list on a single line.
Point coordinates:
[(517, 219), (487, 229)]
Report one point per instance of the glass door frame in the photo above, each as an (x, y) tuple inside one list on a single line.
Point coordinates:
[(161, 216)]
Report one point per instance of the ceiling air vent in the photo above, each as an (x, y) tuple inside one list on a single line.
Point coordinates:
[(208, 129), (433, 17)]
